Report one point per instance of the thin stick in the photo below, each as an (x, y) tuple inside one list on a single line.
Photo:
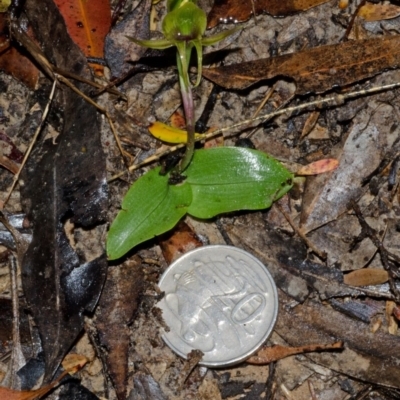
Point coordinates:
[(28, 152), (17, 357), (308, 242), (79, 78), (334, 100)]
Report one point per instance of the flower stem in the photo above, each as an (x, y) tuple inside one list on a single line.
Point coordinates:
[(188, 107)]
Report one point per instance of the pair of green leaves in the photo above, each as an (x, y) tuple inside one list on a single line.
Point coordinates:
[(218, 180)]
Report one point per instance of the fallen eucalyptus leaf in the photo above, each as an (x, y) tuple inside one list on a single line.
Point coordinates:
[(150, 207), (317, 69), (225, 179)]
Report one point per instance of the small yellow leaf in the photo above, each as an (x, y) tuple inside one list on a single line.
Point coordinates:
[(169, 134)]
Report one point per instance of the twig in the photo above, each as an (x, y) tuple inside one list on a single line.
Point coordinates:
[(353, 18), (319, 253), (270, 386), (331, 101), (79, 78), (17, 357), (33, 141), (193, 358), (312, 391)]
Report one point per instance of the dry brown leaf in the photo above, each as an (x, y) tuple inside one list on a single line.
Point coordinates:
[(309, 124), (277, 352), (378, 12), (72, 363), (177, 120), (239, 11), (180, 241), (8, 164), (391, 320), (318, 69), (366, 277)]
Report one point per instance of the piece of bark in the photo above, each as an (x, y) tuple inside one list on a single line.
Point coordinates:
[(370, 357), (361, 310), (317, 69), (363, 149), (116, 310), (63, 181)]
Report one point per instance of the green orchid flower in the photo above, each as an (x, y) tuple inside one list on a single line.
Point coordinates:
[(184, 26)]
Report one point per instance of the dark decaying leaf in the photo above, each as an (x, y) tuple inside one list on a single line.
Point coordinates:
[(63, 181), (73, 390), (239, 10), (315, 70), (115, 312)]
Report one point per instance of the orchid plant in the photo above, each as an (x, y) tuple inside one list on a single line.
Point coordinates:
[(216, 180), (184, 27)]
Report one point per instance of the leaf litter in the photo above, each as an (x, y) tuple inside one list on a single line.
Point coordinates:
[(362, 135)]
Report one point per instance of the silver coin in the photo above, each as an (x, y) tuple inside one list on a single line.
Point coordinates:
[(220, 300)]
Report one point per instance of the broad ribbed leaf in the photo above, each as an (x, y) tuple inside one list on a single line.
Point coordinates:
[(228, 179), (150, 207)]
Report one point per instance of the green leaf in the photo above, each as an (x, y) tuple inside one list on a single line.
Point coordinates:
[(151, 207), (228, 179)]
